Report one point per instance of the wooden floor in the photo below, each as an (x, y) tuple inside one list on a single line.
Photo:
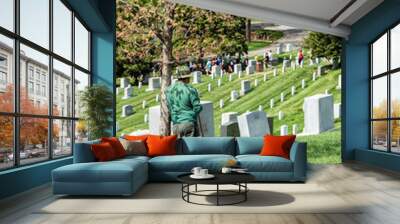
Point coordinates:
[(377, 188)]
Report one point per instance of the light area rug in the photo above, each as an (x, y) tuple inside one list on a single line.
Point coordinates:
[(166, 198)]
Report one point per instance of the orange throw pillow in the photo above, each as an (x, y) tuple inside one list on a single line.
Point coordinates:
[(277, 145), (116, 145), (161, 145), (103, 152)]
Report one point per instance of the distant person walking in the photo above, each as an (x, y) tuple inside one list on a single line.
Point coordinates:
[(300, 56), (184, 107)]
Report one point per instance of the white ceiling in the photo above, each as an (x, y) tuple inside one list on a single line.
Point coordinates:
[(314, 15)]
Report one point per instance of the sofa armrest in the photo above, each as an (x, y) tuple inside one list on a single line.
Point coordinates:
[(298, 155), (83, 152)]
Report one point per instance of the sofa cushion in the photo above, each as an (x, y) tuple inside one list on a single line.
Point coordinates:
[(185, 163), (257, 163), (112, 171), (249, 145), (207, 145), (161, 145)]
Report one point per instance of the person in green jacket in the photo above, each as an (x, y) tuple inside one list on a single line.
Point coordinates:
[(184, 107)]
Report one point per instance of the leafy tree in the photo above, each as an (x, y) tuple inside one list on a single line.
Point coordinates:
[(324, 45), (33, 130), (96, 102), (160, 30)]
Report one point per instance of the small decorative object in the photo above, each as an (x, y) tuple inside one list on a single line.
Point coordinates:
[(226, 170), (231, 163)]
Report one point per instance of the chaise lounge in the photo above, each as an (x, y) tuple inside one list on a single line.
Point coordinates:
[(125, 176)]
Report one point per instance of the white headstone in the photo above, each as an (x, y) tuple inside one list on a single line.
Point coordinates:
[(117, 90), (234, 95), (253, 124), (240, 74), (219, 82), (303, 83), (282, 97), (157, 98), (209, 87), (311, 62), (283, 70), (154, 83), (229, 117), (216, 70), (146, 118), (294, 129), (293, 90), (265, 77), (255, 82), (140, 85), (318, 113), (278, 50), (213, 76), (196, 77), (221, 103), (339, 85), (253, 63), (144, 104), (250, 69), (271, 103), (230, 77), (284, 130), (275, 72), (326, 92), (288, 47), (280, 115), (154, 120), (124, 82), (128, 91), (293, 65), (237, 68), (206, 117), (127, 110), (260, 108), (317, 60), (173, 81), (245, 87), (314, 76), (337, 110)]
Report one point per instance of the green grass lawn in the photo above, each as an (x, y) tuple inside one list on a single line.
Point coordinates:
[(258, 44), (323, 148)]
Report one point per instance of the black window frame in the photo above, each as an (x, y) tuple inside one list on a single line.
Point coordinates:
[(388, 74), (16, 114)]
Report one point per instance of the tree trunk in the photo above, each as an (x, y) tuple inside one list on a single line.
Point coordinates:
[(167, 62), (248, 30)]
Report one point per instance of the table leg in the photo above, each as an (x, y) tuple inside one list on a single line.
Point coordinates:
[(217, 194), (245, 193), (196, 187)]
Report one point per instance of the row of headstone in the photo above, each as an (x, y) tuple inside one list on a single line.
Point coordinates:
[(284, 130)]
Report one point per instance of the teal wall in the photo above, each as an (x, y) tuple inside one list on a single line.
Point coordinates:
[(99, 15), (355, 98)]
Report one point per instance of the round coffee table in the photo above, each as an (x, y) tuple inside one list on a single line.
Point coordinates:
[(238, 179)]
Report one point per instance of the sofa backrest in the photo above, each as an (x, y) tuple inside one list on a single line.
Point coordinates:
[(249, 145), (83, 153), (207, 145)]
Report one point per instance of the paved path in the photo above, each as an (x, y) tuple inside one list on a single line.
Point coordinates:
[(290, 35)]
